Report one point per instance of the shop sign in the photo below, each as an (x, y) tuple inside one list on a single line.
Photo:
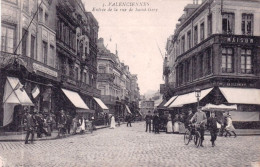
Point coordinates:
[(38, 67), (239, 40), (234, 84)]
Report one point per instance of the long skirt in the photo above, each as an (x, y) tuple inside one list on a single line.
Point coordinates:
[(176, 128), (113, 123), (169, 127), (181, 128)]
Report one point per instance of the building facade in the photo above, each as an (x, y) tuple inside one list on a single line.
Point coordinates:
[(114, 81), (215, 48), (146, 106), (48, 54)]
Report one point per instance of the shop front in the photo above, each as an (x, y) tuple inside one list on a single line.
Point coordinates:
[(15, 99)]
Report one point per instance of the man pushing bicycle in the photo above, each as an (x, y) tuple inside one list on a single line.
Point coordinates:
[(201, 119)]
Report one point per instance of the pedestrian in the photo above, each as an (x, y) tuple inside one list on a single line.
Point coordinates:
[(230, 127), (49, 121), (148, 120), (223, 124), (75, 122), (128, 119), (118, 120), (62, 123), (201, 119), (29, 126), (113, 123), (169, 128), (40, 125), (188, 118), (156, 122), (212, 125), (176, 121), (181, 123), (68, 122)]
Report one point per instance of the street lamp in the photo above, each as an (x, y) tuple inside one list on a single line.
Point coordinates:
[(197, 94)]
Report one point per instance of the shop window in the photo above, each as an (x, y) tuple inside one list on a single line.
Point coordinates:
[(32, 46), (7, 38), (195, 35), (227, 65), (209, 24), (24, 42), (202, 31), (44, 51), (247, 24), (228, 23), (246, 61)]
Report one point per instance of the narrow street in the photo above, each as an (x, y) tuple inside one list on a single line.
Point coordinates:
[(125, 146)]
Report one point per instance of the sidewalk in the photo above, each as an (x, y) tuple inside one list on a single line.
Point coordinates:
[(20, 136)]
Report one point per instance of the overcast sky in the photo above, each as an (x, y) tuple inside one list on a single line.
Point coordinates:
[(137, 32)]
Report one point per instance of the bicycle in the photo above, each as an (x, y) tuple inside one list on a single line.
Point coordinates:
[(192, 134)]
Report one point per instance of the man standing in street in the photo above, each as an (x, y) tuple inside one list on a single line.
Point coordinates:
[(212, 124), (156, 122), (148, 120), (128, 119), (29, 126), (201, 119)]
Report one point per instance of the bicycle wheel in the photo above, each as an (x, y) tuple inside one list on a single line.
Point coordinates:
[(187, 137), (197, 139)]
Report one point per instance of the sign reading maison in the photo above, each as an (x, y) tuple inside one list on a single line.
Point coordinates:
[(239, 40), (38, 67)]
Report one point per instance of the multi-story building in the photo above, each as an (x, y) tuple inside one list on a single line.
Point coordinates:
[(146, 106), (48, 59), (114, 81), (215, 49)]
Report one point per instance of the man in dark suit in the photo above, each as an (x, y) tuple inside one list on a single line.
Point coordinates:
[(148, 121), (128, 119), (156, 121), (29, 126)]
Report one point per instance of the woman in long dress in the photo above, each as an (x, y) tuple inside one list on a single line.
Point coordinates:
[(176, 124), (113, 122), (230, 128), (169, 128)]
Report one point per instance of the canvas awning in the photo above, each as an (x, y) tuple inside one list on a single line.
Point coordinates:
[(14, 92), (127, 109), (170, 101), (188, 98), (75, 99), (221, 107), (100, 103), (241, 95)]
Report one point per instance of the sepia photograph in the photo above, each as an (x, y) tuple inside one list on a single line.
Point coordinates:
[(130, 83)]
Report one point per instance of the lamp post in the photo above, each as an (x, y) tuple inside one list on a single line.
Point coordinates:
[(197, 94)]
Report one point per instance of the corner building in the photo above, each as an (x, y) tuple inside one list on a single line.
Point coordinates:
[(215, 48)]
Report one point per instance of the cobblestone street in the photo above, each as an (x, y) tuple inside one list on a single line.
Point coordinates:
[(125, 146)]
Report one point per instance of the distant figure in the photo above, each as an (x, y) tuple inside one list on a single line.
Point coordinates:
[(230, 127), (188, 118), (128, 119), (176, 121), (148, 121), (169, 128), (113, 122), (156, 122)]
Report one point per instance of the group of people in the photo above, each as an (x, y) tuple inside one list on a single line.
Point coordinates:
[(213, 124), (182, 122), (43, 123)]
